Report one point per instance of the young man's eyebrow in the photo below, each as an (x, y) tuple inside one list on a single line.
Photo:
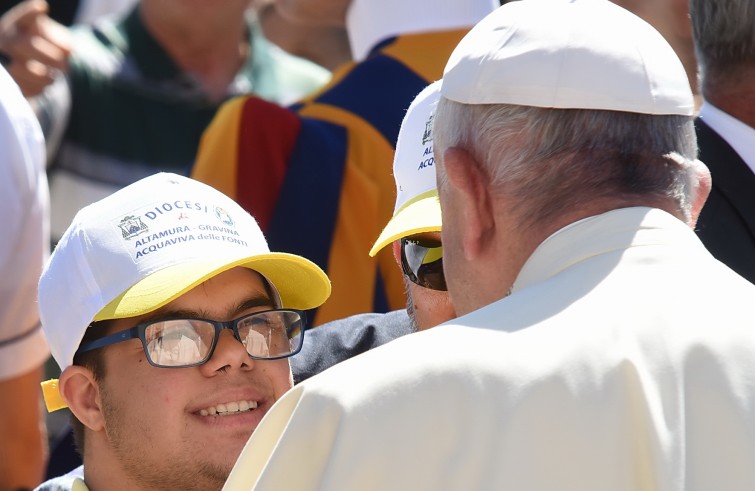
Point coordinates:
[(253, 301), (257, 300)]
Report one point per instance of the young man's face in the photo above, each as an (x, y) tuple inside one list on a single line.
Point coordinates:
[(154, 416)]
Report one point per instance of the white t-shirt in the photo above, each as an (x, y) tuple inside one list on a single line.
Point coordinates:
[(24, 243)]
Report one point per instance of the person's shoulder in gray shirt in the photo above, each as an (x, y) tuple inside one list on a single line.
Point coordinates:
[(339, 340)]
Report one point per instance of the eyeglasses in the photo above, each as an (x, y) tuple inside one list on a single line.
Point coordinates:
[(422, 263), (173, 343)]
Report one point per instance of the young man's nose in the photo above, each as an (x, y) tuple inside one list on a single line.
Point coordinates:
[(229, 353)]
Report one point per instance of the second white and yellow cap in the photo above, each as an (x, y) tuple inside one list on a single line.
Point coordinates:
[(417, 207)]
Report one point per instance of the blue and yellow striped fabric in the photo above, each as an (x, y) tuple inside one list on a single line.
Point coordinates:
[(317, 176)]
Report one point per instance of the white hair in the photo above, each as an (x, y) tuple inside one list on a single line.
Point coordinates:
[(548, 160)]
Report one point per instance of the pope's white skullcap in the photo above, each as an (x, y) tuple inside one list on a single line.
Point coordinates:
[(570, 54)]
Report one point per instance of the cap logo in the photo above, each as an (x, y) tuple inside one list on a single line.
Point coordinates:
[(428, 160), (180, 228), (131, 226), (224, 216), (427, 136)]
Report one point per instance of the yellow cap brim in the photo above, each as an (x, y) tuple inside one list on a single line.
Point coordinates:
[(420, 214), (300, 283), (53, 400)]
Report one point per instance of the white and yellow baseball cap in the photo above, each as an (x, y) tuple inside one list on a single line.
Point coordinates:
[(149, 243), (417, 207)]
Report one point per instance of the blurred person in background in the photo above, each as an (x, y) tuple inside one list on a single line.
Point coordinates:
[(125, 98), (725, 41), (24, 204), (325, 45)]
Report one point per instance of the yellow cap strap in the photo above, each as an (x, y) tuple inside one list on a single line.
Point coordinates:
[(53, 400)]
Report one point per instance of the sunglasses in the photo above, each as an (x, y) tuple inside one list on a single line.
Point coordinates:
[(174, 343), (422, 263)]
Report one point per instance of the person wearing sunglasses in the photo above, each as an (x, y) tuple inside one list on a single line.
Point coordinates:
[(414, 229), (172, 324), (414, 232), (24, 205)]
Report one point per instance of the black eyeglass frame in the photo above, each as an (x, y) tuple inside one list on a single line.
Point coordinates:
[(436, 266), (138, 332)]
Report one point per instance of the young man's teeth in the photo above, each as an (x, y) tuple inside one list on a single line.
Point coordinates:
[(229, 408)]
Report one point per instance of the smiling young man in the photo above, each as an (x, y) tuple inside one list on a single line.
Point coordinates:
[(171, 322)]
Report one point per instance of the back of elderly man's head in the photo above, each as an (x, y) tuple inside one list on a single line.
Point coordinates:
[(567, 102), (549, 160)]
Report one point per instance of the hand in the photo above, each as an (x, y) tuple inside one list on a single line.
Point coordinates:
[(33, 46)]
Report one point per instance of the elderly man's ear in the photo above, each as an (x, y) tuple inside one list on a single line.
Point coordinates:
[(702, 186), (468, 207), (81, 392)]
